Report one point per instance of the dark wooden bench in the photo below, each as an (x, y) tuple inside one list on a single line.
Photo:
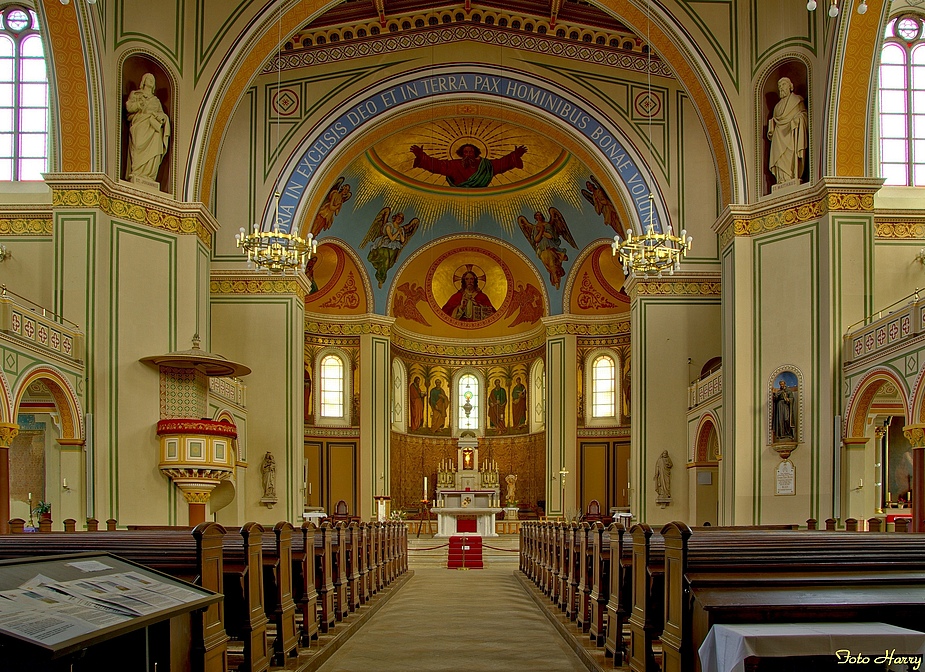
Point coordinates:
[(600, 582), (735, 576), (194, 555)]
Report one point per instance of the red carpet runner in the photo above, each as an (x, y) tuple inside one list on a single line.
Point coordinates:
[(465, 552)]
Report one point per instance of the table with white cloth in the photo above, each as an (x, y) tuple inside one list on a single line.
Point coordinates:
[(727, 646)]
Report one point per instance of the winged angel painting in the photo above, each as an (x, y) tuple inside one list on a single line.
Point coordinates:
[(389, 237), (546, 238)]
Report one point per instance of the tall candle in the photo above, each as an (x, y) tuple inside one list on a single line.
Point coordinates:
[(30, 496), (425, 487)]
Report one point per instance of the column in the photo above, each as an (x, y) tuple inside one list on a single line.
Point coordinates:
[(916, 436), (8, 432), (375, 411), (561, 416)]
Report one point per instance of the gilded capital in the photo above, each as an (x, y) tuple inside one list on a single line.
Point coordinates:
[(915, 434), (8, 432), (196, 496)]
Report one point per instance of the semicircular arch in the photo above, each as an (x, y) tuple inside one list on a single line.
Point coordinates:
[(61, 390), (250, 51), (859, 404)]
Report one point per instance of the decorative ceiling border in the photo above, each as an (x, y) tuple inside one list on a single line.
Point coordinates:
[(415, 38), (414, 345), (11, 225), (100, 192), (239, 283), (907, 227), (445, 356), (371, 324), (765, 217), (585, 328)]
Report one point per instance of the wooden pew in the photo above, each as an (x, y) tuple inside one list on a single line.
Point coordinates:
[(619, 604), (304, 593), (585, 570), (192, 555), (645, 620), (565, 554), (324, 575), (600, 582), (244, 595), (743, 575)]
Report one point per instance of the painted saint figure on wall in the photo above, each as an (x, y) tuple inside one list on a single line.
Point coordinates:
[(497, 404), (546, 239), (518, 404), (470, 170), (469, 303), (439, 403), (415, 404)]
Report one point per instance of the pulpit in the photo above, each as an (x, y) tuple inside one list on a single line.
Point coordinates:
[(468, 493)]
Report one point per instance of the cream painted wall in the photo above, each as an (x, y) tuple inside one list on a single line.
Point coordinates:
[(264, 332), (142, 320), (670, 329), (787, 326), (28, 271), (898, 273)]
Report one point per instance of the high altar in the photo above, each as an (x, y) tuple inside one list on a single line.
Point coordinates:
[(468, 497)]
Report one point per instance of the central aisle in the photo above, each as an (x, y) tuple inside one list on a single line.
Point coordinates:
[(442, 619)]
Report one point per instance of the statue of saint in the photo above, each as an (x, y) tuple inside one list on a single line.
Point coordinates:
[(268, 472), (511, 497), (783, 423), (663, 477), (787, 131), (149, 132)]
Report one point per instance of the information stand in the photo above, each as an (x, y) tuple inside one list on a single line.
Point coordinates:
[(94, 611)]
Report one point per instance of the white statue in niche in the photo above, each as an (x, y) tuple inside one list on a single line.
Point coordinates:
[(149, 133), (787, 131)]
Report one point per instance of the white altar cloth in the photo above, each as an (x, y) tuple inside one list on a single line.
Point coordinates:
[(727, 646)]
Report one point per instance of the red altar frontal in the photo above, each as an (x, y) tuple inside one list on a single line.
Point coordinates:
[(465, 552)]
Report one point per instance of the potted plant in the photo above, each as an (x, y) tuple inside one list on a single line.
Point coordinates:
[(42, 510)]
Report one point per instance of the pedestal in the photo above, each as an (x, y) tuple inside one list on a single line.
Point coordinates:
[(465, 552)]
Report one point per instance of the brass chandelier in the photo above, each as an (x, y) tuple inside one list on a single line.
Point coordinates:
[(275, 251), (652, 252)]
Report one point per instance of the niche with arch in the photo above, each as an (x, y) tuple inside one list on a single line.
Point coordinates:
[(133, 69), (796, 72)]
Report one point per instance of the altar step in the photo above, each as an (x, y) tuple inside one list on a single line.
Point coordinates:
[(426, 551)]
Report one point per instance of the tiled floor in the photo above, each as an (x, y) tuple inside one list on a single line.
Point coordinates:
[(457, 621)]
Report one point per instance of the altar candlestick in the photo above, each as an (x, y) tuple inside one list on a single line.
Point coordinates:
[(425, 487)]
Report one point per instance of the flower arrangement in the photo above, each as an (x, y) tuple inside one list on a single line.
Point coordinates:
[(41, 508)]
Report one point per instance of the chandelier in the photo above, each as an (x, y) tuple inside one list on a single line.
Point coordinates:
[(275, 251), (833, 7), (652, 252)]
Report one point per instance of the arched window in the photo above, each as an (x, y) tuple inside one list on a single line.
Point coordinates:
[(23, 97), (902, 102), (332, 387), (603, 387), (467, 399)]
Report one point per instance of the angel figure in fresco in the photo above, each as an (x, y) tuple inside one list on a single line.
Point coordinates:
[(337, 196), (389, 237), (470, 169), (546, 238), (528, 300), (602, 204)]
